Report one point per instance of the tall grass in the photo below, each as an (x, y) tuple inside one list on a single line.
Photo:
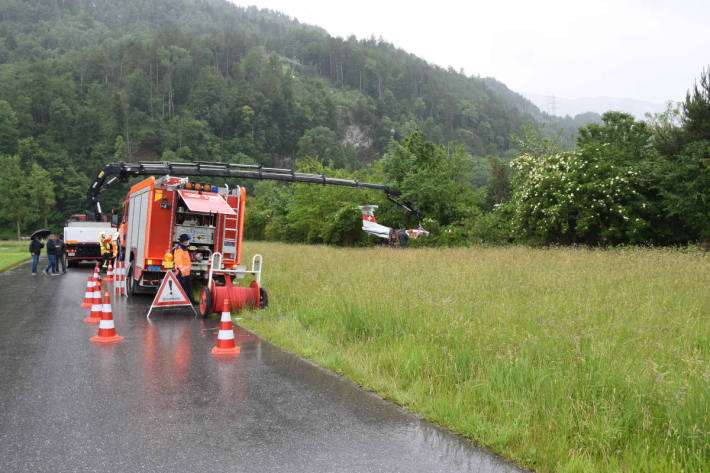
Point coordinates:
[(569, 360), (12, 253)]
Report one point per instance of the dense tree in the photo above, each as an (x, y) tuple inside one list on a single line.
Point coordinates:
[(40, 189), (322, 143), (498, 188), (436, 177), (8, 129), (14, 202), (328, 214), (696, 110), (682, 174), (685, 192)]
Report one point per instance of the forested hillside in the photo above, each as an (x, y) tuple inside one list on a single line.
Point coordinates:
[(85, 82), (204, 61)]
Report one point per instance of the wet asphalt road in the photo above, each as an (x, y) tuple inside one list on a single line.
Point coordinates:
[(160, 402)]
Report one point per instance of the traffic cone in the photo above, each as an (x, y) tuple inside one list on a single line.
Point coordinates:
[(89, 294), (117, 278), (123, 278), (98, 282), (225, 337), (107, 331), (96, 299), (109, 272), (95, 316), (119, 286)]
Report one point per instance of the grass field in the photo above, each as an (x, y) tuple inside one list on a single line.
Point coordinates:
[(13, 252), (566, 360)]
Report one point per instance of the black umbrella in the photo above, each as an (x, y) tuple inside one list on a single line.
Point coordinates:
[(44, 233)]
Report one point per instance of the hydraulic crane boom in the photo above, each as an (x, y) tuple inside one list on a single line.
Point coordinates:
[(123, 171)]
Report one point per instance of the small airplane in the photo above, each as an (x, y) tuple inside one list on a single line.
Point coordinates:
[(370, 225)]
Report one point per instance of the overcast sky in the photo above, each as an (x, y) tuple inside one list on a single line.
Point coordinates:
[(646, 50)]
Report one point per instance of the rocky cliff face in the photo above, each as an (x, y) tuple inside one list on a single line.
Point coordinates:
[(357, 137)]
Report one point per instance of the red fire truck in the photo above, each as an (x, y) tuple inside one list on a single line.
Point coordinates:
[(157, 211)]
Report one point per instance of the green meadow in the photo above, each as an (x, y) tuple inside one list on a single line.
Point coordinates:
[(14, 252), (565, 360)]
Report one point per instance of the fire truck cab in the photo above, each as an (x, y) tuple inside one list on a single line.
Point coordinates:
[(157, 211)]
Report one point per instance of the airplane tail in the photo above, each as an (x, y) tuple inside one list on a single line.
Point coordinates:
[(369, 223), (368, 213)]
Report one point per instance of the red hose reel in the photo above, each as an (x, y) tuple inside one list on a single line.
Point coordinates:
[(213, 296)]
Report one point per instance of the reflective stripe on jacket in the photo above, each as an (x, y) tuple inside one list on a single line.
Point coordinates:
[(182, 261)]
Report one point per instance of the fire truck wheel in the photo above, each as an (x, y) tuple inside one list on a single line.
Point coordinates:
[(205, 302), (263, 298)]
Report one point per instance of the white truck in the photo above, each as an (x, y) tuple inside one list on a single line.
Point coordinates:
[(82, 238)]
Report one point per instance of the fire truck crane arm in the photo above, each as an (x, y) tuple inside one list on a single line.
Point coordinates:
[(242, 171)]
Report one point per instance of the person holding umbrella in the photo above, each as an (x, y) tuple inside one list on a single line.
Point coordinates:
[(35, 249)]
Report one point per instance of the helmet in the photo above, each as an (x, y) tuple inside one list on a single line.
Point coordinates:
[(102, 234), (184, 237), (115, 236)]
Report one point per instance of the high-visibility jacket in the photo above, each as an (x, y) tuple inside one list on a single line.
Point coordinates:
[(102, 246), (182, 261)]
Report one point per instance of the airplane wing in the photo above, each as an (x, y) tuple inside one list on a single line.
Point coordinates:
[(377, 230)]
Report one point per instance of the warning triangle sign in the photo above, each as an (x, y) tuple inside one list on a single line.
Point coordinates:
[(170, 293)]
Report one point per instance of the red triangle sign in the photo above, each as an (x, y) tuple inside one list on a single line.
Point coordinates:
[(170, 292)]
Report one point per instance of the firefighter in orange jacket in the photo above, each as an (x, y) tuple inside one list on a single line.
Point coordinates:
[(183, 266)]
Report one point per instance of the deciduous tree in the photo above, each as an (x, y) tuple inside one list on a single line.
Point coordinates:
[(40, 189), (14, 202), (8, 129)]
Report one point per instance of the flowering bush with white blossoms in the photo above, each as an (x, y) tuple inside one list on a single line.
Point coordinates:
[(592, 195)]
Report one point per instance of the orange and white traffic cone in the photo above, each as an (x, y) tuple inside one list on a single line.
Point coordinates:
[(89, 294), (109, 271), (119, 286), (225, 337), (97, 290), (97, 280), (107, 330), (117, 278), (97, 270), (95, 316), (123, 278)]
